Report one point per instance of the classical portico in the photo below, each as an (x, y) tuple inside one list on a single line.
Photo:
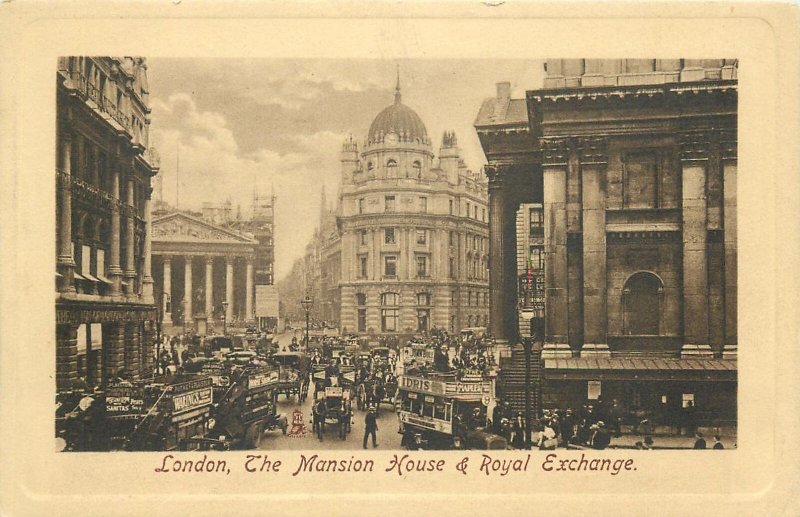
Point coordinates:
[(201, 270)]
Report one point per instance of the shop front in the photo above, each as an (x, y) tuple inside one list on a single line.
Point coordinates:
[(662, 390)]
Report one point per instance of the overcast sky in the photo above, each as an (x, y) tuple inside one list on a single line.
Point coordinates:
[(262, 124)]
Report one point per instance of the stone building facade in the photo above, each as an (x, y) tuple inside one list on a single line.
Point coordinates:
[(105, 317), (634, 164), (408, 239)]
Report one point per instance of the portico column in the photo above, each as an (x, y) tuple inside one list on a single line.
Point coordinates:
[(209, 286), (187, 294), (114, 268), (554, 170), (147, 268), (248, 305), (497, 202), (594, 160), (167, 287), (229, 287), (694, 162), (130, 264), (65, 260)]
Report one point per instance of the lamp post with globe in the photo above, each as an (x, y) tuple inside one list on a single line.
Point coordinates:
[(307, 303)]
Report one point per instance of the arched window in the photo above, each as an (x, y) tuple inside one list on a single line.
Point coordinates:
[(417, 166), (641, 299), (391, 168), (423, 298), (361, 299)]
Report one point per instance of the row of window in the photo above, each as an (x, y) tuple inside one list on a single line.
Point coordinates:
[(390, 205), (391, 167), (390, 266), (90, 164)]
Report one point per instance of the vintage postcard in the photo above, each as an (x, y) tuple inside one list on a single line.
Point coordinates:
[(439, 258)]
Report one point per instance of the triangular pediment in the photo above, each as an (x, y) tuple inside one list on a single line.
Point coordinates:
[(178, 227)]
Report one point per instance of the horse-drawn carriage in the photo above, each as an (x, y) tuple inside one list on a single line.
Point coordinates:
[(338, 410), (334, 373), (294, 374)]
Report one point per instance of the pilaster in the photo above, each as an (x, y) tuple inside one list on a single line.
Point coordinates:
[(114, 266), (593, 154), (694, 163), (66, 356), (554, 170), (147, 273), (113, 350), (65, 262), (132, 350)]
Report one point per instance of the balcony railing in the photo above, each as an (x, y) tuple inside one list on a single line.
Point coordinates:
[(105, 104)]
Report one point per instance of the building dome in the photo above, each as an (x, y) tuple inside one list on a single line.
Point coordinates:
[(399, 119)]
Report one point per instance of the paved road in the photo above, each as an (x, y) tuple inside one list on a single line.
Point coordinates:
[(388, 437)]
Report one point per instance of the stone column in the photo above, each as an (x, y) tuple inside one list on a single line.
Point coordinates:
[(554, 170), (167, 295), (694, 162), (188, 312), (209, 286), (497, 213), (729, 166), (131, 355), (594, 161), (114, 266), (113, 350), (229, 288), (147, 268), (248, 303), (66, 356), (130, 263), (147, 349), (65, 261)]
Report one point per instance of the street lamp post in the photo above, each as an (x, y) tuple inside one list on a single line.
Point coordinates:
[(159, 319), (537, 334), (307, 303), (225, 318)]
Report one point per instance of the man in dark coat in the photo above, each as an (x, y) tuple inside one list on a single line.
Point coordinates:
[(718, 443), (370, 427), (700, 442), (319, 418), (601, 438)]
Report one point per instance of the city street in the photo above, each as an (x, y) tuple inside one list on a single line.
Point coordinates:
[(388, 437)]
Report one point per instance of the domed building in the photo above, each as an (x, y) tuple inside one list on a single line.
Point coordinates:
[(406, 247)]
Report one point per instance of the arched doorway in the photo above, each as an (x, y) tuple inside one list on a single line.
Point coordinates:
[(642, 295)]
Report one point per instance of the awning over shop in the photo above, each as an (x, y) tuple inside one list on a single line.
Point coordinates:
[(646, 369)]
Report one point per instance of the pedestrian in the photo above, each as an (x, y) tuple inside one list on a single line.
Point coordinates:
[(518, 432), (319, 418), (717, 443), (689, 418), (601, 438), (370, 427), (344, 419), (700, 442)]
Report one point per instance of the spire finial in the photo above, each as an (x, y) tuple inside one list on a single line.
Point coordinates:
[(397, 88)]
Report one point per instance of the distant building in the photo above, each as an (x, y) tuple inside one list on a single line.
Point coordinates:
[(213, 264), (105, 317), (406, 247), (633, 164)]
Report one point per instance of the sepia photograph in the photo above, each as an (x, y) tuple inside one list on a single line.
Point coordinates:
[(271, 254)]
